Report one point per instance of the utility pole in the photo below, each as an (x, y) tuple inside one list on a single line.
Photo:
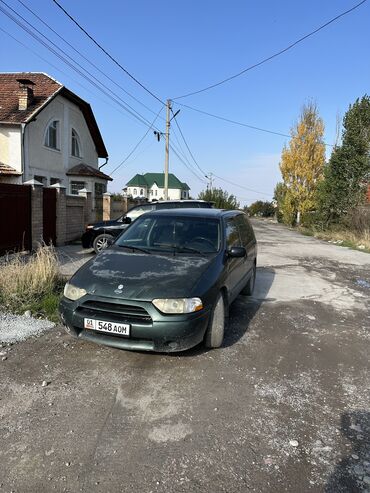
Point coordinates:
[(167, 153), (210, 179)]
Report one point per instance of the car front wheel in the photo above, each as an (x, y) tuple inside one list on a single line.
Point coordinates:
[(215, 332), (102, 242)]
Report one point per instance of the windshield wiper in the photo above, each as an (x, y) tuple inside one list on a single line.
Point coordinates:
[(180, 249), (187, 249), (133, 248)]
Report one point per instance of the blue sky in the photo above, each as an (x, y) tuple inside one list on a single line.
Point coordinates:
[(177, 47)]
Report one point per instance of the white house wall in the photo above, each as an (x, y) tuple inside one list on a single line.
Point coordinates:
[(10, 146), (158, 193), (51, 163)]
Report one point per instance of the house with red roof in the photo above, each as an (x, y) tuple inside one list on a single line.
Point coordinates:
[(49, 134)]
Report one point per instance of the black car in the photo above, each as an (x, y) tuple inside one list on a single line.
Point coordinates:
[(102, 234), (166, 283)]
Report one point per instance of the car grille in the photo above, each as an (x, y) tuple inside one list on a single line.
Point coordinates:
[(117, 311)]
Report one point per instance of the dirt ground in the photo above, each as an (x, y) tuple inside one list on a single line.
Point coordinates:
[(284, 405)]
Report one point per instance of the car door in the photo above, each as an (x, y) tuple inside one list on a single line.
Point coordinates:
[(248, 242), (235, 266)]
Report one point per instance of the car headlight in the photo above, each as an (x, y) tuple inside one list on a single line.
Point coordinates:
[(178, 305), (73, 292)]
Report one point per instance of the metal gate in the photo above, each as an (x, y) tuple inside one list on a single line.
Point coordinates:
[(15, 217), (49, 215)]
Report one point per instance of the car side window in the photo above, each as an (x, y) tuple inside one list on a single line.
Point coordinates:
[(246, 232), (167, 205), (232, 233)]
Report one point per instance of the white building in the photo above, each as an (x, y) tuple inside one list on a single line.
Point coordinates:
[(49, 134), (151, 186)]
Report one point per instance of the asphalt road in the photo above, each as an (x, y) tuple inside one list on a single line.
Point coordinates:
[(284, 405)]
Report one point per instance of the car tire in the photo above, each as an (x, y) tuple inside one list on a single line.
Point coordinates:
[(216, 328), (249, 287), (101, 242)]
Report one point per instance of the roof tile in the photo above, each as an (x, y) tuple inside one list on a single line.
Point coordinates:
[(44, 87), (87, 170)]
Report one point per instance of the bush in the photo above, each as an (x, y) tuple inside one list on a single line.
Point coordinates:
[(358, 220), (261, 209), (31, 283)]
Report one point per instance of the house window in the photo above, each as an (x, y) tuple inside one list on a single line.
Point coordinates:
[(53, 181), (135, 191), (76, 147), (151, 192), (51, 136), (41, 179), (76, 186), (156, 193), (100, 188), (141, 191)]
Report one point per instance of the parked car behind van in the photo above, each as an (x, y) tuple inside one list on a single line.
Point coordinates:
[(101, 234)]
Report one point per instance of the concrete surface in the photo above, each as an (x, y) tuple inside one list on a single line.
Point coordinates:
[(284, 405), (72, 257)]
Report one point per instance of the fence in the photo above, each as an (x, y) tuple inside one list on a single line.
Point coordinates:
[(113, 208), (15, 217), (31, 214)]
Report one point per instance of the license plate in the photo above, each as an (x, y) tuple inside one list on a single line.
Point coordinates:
[(105, 326)]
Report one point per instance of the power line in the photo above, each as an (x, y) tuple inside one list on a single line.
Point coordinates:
[(137, 145), (260, 129), (274, 55), (117, 99), (85, 58), (188, 148), (183, 152), (135, 157), (60, 70), (106, 52), (173, 148), (234, 121), (242, 186)]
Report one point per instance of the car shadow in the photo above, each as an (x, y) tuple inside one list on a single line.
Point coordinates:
[(244, 308), (352, 473), (241, 312)]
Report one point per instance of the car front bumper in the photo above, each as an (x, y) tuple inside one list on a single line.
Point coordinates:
[(164, 333), (87, 239)]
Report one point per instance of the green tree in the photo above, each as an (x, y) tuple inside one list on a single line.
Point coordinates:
[(261, 208), (221, 198), (302, 164), (348, 170), (279, 197)]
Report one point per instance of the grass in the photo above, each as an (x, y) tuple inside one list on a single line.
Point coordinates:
[(31, 283), (341, 237)]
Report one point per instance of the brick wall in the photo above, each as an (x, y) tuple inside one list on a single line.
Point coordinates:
[(37, 216), (75, 217), (113, 209)]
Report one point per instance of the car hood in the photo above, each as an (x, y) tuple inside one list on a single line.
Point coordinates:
[(142, 276), (102, 224)]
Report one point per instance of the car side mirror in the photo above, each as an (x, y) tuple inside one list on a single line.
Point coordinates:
[(127, 220), (237, 252)]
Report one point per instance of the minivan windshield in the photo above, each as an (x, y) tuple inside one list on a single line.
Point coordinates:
[(177, 234)]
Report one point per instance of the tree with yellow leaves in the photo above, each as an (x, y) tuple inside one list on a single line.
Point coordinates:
[(302, 164)]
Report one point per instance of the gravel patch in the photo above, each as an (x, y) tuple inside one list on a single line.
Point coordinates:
[(15, 328)]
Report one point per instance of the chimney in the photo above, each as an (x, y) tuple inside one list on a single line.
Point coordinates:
[(25, 94)]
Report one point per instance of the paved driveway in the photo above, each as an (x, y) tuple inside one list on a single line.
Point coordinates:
[(283, 406), (72, 257)]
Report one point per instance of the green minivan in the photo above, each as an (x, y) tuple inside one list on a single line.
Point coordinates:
[(166, 283)]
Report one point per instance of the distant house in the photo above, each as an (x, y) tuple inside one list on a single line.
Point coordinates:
[(49, 134), (151, 186)]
